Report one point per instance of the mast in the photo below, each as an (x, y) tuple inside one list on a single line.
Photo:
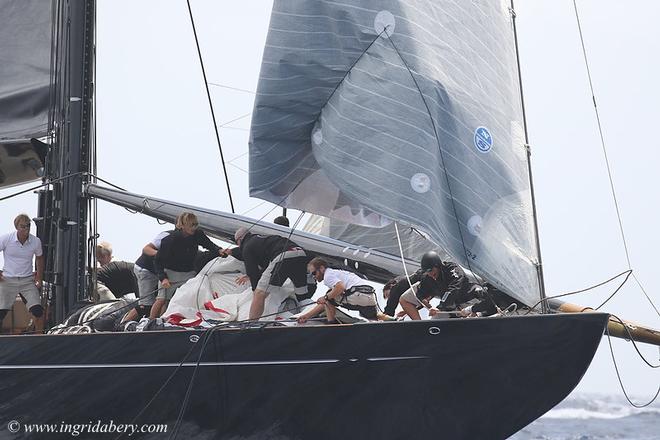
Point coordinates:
[(539, 263), (72, 149)]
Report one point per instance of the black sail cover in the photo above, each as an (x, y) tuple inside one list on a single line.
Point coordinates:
[(25, 48), (379, 111)]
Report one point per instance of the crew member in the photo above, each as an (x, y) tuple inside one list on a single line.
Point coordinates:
[(394, 288), (347, 290), (269, 261), (18, 276), (174, 262)]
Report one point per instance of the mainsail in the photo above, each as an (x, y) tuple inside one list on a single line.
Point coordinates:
[(25, 60), (376, 111), (25, 32)]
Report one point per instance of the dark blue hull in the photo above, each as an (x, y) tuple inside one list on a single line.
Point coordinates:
[(452, 379)]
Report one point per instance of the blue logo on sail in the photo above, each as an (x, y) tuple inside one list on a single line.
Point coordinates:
[(483, 139)]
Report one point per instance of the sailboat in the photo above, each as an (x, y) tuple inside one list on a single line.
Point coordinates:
[(367, 116)]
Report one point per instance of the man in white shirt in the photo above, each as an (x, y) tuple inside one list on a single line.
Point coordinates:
[(347, 290), (18, 276)]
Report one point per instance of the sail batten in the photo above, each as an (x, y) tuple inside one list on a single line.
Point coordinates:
[(380, 111)]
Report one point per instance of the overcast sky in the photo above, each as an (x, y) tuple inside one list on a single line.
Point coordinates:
[(155, 135)]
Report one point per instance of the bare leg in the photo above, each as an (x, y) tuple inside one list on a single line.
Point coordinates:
[(410, 309), (131, 316), (383, 317), (156, 308), (257, 306), (38, 324), (331, 312)]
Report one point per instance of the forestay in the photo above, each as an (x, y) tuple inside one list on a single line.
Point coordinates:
[(379, 110)]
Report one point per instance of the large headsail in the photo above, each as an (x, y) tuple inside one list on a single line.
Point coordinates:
[(378, 111)]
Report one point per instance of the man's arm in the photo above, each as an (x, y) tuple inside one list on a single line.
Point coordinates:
[(150, 250), (337, 290), (311, 313), (251, 267), (206, 242), (39, 276)]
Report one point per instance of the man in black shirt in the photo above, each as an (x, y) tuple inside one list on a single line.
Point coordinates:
[(269, 261), (394, 288), (174, 262), (446, 280), (119, 277)]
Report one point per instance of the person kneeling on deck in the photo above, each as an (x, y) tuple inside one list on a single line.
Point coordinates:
[(445, 280), (396, 287), (347, 290), (269, 261), (448, 281)]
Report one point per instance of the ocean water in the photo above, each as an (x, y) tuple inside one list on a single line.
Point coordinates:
[(592, 417)]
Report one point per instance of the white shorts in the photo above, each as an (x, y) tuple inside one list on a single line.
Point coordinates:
[(410, 296), (12, 286)]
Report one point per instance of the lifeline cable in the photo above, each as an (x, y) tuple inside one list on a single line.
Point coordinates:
[(618, 375), (547, 298)]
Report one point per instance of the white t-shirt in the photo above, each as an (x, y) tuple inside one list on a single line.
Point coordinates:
[(18, 257), (333, 276), (159, 238)]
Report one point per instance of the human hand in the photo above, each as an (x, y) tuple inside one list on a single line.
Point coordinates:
[(401, 314), (224, 253), (165, 283), (243, 279), (433, 311), (322, 300), (302, 319)]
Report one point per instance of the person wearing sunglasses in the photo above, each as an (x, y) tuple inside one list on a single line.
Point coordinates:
[(18, 277)]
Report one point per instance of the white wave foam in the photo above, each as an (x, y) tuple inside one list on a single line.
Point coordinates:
[(605, 413)]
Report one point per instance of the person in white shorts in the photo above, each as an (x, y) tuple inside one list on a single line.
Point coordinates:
[(18, 276), (347, 290)]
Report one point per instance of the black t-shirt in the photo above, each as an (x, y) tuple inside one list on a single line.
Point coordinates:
[(178, 251), (257, 251), (118, 276), (451, 286)]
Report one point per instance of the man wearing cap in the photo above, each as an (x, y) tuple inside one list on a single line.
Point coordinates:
[(18, 276), (269, 261)]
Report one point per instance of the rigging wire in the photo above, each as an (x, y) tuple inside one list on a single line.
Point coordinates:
[(607, 161), (575, 292), (232, 88), (539, 265), (18, 193), (208, 95), (602, 138)]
